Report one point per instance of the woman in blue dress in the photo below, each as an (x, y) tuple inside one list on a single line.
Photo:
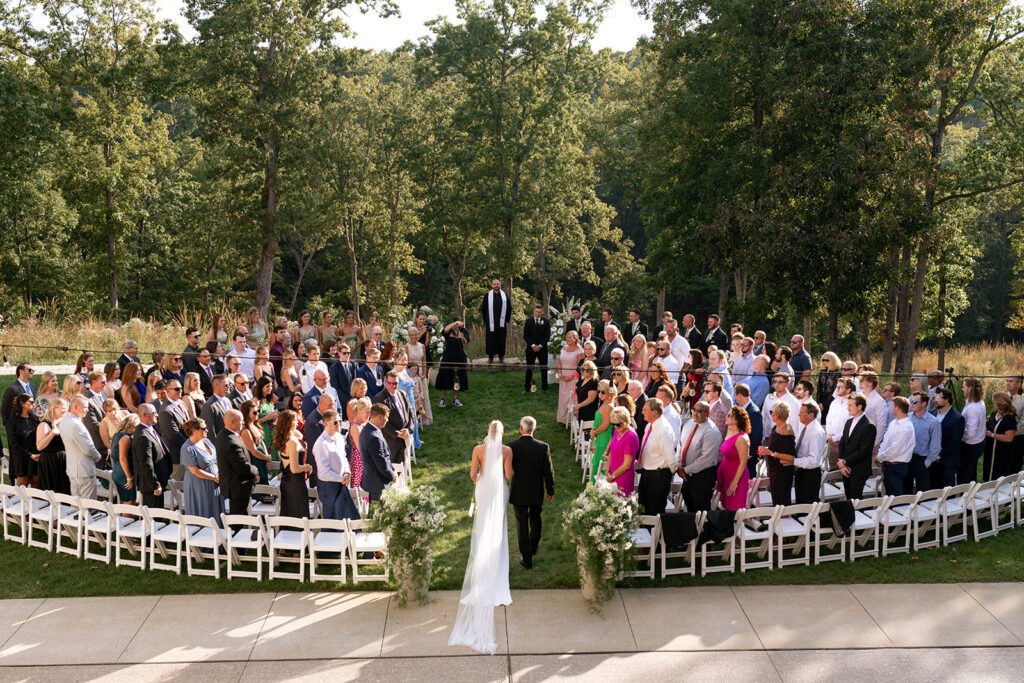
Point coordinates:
[(408, 385), (121, 465), (199, 458)]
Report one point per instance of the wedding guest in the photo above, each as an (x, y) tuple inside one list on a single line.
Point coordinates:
[(262, 367), (657, 378), (122, 465), (190, 354), (700, 450), (21, 432), (173, 368), (897, 448), (113, 374), (236, 473), (756, 430), (192, 394), (657, 460), (251, 435), (568, 358), (263, 394), (601, 434), (21, 385), (289, 373), (586, 393), (692, 388), (732, 473), (49, 391), (637, 356), (928, 442), (156, 369), (835, 422), (73, 386), (373, 375), (810, 455), (132, 392), (333, 471), (350, 330), (358, 411), (416, 352), (344, 371), (622, 449), (52, 461), (827, 378), (199, 457), (357, 391), (327, 332), (781, 441), (81, 455), (218, 330), (974, 430), (113, 416), (277, 348), (452, 374), (312, 365), (305, 331), (129, 354), (151, 459), (589, 354), (951, 422), (407, 385), (85, 365), (1000, 431), (371, 322)]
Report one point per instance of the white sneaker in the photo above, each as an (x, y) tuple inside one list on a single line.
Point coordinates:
[(458, 403), (441, 404)]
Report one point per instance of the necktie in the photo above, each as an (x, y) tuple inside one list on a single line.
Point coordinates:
[(398, 404), (801, 439), (28, 388), (682, 457), (209, 373), (647, 435)]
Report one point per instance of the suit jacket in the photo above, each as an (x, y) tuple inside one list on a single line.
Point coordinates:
[(604, 358), (600, 325), (237, 474), (170, 423), (377, 469), (574, 325), (206, 381), (396, 422), (190, 358), (374, 380), (532, 471), (213, 415), (125, 360), (7, 404), (93, 417), (312, 430), (236, 398), (856, 448), (342, 373), (694, 338), (151, 458), (312, 398), (632, 330), (82, 454), (716, 337), (952, 433), (756, 427), (535, 333)]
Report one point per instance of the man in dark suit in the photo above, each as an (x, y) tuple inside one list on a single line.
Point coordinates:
[(756, 426), (611, 342), (399, 423), (206, 372), (856, 448), (237, 474), (715, 336), (214, 409), (151, 458), (587, 334), (129, 354), (606, 320), (943, 471), (240, 392), (531, 462), (94, 411), (21, 385), (314, 428), (634, 326), (693, 336), (190, 354), (312, 397), (171, 419), (373, 448), (576, 321), (342, 372), (537, 333)]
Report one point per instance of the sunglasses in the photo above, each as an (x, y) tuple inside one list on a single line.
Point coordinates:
[(346, 353), (914, 403), (173, 389), (31, 371), (334, 422)]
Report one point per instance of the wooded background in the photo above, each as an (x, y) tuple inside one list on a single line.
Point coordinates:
[(850, 169)]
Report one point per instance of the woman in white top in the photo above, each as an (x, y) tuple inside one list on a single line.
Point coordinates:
[(417, 354), (973, 444)]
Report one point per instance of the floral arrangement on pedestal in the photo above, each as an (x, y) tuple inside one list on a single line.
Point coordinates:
[(559, 321), (403, 319), (410, 519), (600, 523)]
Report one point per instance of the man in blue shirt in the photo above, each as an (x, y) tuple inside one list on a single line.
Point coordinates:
[(927, 443), (758, 380), (801, 361)]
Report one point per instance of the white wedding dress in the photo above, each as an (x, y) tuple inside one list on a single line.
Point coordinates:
[(486, 582)]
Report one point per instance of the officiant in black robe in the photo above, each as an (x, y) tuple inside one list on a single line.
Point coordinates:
[(496, 311)]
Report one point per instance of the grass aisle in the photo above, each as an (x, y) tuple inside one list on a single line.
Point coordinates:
[(444, 463)]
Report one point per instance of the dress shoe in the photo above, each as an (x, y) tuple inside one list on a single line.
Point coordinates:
[(524, 563), (533, 552)]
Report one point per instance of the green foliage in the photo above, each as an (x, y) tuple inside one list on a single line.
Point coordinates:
[(410, 519)]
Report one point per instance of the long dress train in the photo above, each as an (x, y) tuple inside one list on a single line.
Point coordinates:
[(486, 582)]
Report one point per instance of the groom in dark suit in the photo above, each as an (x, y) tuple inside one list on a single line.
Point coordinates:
[(531, 464)]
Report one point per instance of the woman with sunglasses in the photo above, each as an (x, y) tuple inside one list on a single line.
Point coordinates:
[(199, 458), (831, 370)]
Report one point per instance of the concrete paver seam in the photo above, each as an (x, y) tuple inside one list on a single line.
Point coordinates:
[(868, 612), (141, 624), (508, 646), (384, 631), (256, 640), (735, 597), (961, 586), (24, 621), (628, 622)]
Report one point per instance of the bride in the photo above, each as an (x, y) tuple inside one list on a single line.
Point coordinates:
[(486, 582)]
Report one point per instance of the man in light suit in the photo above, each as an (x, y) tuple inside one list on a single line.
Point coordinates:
[(151, 458), (171, 420), (657, 459), (400, 418), (82, 455), (700, 446), (214, 409), (94, 411), (377, 469)]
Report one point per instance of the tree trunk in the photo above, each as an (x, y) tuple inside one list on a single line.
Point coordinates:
[(723, 295), (807, 332), (268, 231), (353, 260), (303, 259), (740, 278), (393, 266), (865, 340), (833, 329), (942, 310), (908, 337), (542, 265), (895, 304), (660, 304), (108, 198)]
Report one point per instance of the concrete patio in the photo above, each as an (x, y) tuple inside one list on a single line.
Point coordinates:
[(790, 633)]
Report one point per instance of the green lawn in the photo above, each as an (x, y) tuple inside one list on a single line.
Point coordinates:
[(444, 463)]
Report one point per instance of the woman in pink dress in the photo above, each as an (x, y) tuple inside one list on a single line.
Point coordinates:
[(733, 478), (638, 356), (621, 452), (568, 359)]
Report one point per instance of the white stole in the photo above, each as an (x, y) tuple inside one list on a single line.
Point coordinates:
[(490, 309)]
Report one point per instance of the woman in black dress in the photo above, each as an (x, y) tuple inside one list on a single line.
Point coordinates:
[(53, 462), (779, 450), (452, 373), (289, 443), (21, 441), (586, 393), (999, 438)]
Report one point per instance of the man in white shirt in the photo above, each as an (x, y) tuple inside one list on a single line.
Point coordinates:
[(781, 393), (245, 354), (877, 411), (743, 366), (699, 453), (669, 411), (657, 460), (897, 448), (678, 346), (838, 414), (810, 454), (309, 368), (333, 470), (803, 390), (665, 357)]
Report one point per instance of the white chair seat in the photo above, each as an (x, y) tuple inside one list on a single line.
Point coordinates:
[(751, 535), (131, 527), (641, 538), (167, 533), (204, 537), (787, 526), (288, 539), (243, 538), (373, 540), (862, 521), (326, 541)]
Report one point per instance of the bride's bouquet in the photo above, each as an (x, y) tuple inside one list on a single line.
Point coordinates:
[(601, 523)]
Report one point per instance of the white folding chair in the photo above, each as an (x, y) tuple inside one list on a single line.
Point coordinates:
[(982, 505), (362, 500), (98, 521), (687, 554), (645, 541), (875, 484), (70, 523), (755, 534), (825, 537), (1019, 505), (105, 487), (41, 516), (1006, 501), (265, 507), (952, 510), (865, 527), (898, 521), (720, 556), (327, 538), (832, 487), (166, 537), (203, 541), (177, 495), (5, 468), (132, 534), (246, 541), (14, 511), (370, 543), (793, 529), (288, 534), (761, 497), (925, 518)]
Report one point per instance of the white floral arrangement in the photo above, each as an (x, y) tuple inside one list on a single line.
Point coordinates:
[(401, 321), (600, 523), (560, 321), (410, 518)]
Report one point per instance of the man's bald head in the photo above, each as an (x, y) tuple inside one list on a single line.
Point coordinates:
[(233, 420)]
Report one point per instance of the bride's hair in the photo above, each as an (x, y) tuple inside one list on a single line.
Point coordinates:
[(495, 430)]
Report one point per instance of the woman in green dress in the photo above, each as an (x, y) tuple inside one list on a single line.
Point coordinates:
[(603, 428), (252, 439), (305, 330), (327, 333), (257, 330), (266, 413)]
